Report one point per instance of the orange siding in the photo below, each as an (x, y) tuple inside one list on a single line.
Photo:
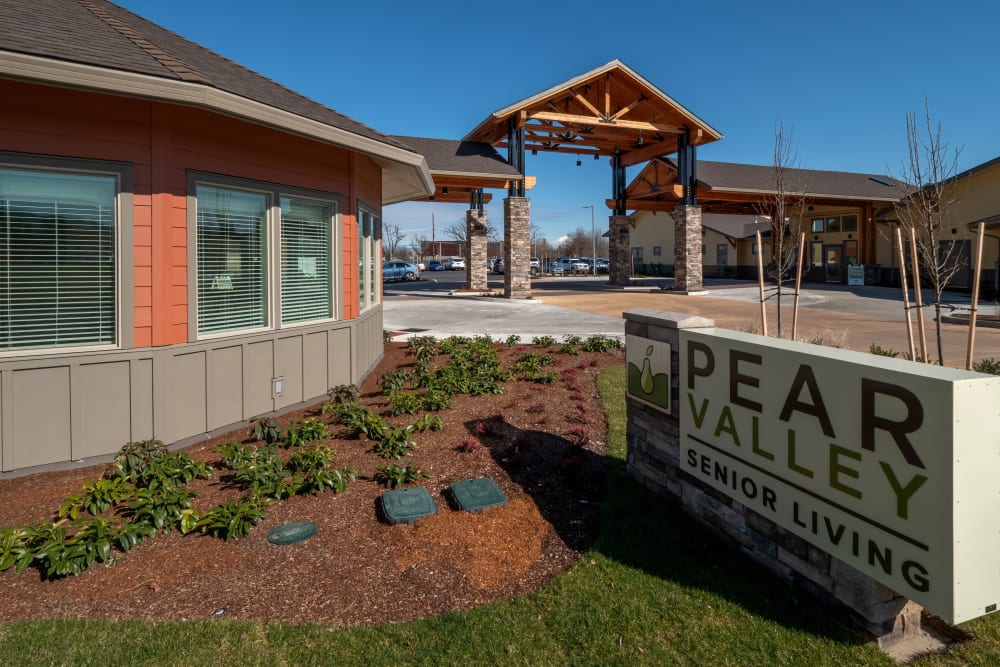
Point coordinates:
[(162, 143)]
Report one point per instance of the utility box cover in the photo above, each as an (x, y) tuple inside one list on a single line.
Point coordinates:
[(407, 505), (475, 495)]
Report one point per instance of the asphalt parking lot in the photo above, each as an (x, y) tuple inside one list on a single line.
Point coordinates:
[(850, 317)]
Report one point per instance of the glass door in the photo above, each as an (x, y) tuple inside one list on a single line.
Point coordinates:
[(834, 268)]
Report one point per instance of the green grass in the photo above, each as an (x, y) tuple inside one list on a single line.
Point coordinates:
[(655, 590)]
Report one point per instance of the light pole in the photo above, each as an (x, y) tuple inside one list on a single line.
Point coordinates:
[(593, 238)]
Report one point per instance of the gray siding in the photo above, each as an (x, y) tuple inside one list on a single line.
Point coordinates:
[(60, 408)]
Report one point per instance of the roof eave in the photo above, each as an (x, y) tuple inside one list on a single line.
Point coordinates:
[(405, 173), (816, 195)]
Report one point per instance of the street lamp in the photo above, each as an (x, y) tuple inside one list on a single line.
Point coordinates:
[(593, 238)]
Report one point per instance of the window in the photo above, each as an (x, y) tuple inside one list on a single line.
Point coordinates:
[(850, 223), (306, 279), (816, 253), (833, 224), (58, 255), (637, 254), (369, 243), (232, 259), (656, 251), (264, 256), (817, 225)]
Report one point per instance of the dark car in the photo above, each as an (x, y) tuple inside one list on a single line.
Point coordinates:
[(499, 265), (399, 270), (435, 265)]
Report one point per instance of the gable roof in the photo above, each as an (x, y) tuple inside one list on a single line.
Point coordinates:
[(450, 156), (751, 178), (97, 45), (610, 109)]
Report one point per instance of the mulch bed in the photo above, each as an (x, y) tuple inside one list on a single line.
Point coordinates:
[(543, 446)]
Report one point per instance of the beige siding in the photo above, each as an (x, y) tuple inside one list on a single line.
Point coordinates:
[(55, 409)]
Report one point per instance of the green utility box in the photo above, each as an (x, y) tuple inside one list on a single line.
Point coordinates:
[(407, 505), (475, 495)]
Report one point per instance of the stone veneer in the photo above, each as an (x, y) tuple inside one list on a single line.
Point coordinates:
[(475, 249), (517, 254), (653, 452), (619, 250), (687, 248)]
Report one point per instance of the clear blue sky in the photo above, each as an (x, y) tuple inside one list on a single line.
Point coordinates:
[(841, 75)]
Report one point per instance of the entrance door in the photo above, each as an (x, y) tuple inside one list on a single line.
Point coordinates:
[(834, 263), (722, 259)]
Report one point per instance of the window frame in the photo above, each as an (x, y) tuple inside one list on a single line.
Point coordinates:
[(274, 193), (124, 300), (371, 281)]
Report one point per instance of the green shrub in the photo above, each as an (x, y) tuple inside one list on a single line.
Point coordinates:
[(405, 403), (392, 475), (234, 518), (315, 471), (266, 429), (991, 366), (512, 341), (601, 343), (428, 423), (303, 431), (394, 381), (435, 401), (358, 419), (395, 442), (569, 348), (544, 341), (881, 351)]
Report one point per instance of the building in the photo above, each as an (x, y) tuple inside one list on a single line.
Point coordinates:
[(184, 244)]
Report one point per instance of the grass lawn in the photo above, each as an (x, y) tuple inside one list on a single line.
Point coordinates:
[(655, 590)]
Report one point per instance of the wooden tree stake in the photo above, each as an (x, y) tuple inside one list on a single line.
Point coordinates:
[(906, 294), (760, 282), (918, 299), (975, 295)]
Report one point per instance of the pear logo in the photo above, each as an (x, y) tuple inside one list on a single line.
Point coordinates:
[(648, 369)]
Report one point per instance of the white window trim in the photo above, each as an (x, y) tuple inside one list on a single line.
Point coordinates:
[(274, 193), (374, 246), (124, 250)]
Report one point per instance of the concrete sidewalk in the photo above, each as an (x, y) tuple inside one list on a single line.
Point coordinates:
[(853, 318)]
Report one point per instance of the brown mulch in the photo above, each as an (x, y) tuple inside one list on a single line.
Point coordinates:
[(543, 446)]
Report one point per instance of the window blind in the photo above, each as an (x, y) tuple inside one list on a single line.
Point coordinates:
[(57, 260), (232, 259), (306, 290)]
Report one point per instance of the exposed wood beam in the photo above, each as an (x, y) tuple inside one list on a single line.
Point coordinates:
[(624, 124), (585, 103), (649, 151), (624, 111), (607, 95)]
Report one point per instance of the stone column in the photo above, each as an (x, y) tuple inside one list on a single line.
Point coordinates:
[(517, 254), (619, 250), (687, 249), (475, 249)]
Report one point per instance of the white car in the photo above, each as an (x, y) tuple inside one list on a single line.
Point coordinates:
[(454, 264), (569, 265)]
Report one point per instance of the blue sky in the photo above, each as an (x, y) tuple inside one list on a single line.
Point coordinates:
[(840, 75)]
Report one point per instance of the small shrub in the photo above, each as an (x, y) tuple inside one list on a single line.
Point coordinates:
[(991, 366), (572, 340), (303, 431), (405, 403), (386, 336), (395, 442), (470, 445), (543, 341), (512, 341), (428, 423), (601, 343), (392, 475), (435, 400), (569, 348), (424, 348), (263, 428), (234, 518), (165, 509), (315, 471), (882, 352), (101, 495), (394, 381), (262, 472), (358, 419)]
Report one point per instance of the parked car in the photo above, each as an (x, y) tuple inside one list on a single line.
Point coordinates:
[(603, 266), (499, 265), (571, 265), (435, 265), (454, 264), (399, 270), (554, 267)]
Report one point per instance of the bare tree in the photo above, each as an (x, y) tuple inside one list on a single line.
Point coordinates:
[(392, 238), (925, 209), (458, 232), (785, 207)]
